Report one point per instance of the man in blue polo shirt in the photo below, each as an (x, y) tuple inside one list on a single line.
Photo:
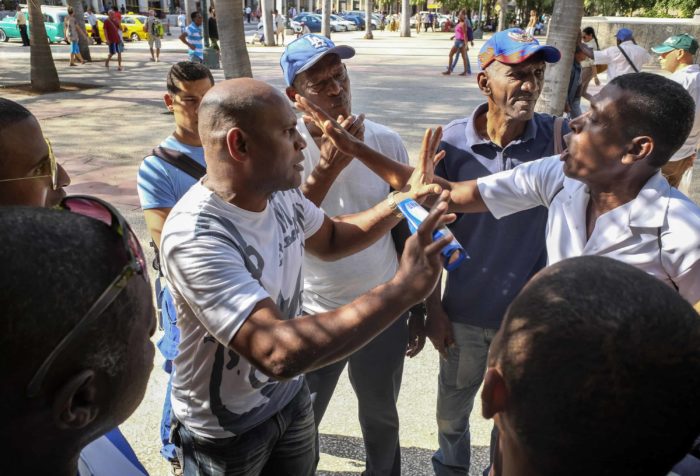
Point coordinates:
[(193, 37), (500, 134), (160, 186)]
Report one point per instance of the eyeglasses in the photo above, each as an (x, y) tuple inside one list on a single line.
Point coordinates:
[(102, 211), (53, 170), (318, 88)]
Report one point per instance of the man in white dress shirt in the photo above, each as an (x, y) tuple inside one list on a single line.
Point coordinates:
[(615, 58), (677, 57)]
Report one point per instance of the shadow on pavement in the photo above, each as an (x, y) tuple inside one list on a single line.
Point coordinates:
[(414, 461)]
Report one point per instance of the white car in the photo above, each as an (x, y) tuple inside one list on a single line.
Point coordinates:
[(347, 24)]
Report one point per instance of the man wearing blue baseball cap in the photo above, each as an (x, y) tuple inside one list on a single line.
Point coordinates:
[(499, 134), (677, 57), (313, 68), (626, 57)]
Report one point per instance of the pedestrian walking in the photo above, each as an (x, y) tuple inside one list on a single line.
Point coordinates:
[(154, 30), (74, 32), (194, 39), (677, 57), (589, 70), (213, 28), (22, 25), (532, 23), (113, 39), (181, 20), (278, 23), (419, 21), (94, 26), (459, 47), (248, 13)]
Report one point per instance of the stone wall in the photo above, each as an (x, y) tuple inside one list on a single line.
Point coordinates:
[(648, 32)]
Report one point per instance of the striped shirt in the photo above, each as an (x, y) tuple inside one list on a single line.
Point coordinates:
[(194, 36)]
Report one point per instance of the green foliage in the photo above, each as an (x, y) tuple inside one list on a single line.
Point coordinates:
[(646, 8)]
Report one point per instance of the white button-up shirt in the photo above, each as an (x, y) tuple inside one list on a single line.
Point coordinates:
[(617, 64), (689, 78), (658, 231)]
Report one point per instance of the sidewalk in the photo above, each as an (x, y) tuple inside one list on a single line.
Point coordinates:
[(101, 134)]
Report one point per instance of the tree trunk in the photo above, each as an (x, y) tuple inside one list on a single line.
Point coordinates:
[(368, 20), (268, 27), (326, 18), (234, 54), (562, 33), (502, 15), (79, 15), (405, 18), (44, 77)]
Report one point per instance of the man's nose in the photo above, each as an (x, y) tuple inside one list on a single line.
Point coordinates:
[(63, 178)]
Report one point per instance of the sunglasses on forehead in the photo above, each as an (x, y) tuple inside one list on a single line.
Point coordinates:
[(53, 170), (136, 265)]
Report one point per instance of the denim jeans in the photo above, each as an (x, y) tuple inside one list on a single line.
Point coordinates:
[(168, 347), (460, 376), (283, 445), (375, 373)]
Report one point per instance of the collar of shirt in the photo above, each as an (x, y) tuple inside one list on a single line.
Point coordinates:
[(485, 147)]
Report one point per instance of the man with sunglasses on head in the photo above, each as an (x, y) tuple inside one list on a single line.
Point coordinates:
[(75, 344), (163, 179), (313, 68), (30, 176), (232, 251)]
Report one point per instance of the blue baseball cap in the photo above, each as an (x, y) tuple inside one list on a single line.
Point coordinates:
[(624, 34), (302, 53), (514, 46)]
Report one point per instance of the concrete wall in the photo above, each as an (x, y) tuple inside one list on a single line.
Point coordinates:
[(648, 32)]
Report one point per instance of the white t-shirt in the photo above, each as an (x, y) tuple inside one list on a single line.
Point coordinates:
[(617, 64), (329, 285), (588, 62), (689, 78), (220, 261), (629, 233)]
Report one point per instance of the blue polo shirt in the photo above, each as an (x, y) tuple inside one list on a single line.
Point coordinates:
[(504, 253)]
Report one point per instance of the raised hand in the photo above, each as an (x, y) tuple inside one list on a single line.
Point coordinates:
[(421, 264), (339, 136), (420, 184), (331, 156)]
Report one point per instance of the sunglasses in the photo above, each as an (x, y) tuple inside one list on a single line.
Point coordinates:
[(53, 171), (104, 212)]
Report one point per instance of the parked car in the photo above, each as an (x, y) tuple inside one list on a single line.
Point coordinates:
[(347, 24), (358, 20), (53, 23), (312, 21), (376, 20)]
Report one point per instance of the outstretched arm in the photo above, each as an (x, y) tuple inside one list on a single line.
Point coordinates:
[(464, 196)]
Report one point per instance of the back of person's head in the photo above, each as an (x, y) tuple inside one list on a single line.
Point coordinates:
[(194, 15), (115, 8), (186, 71), (11, 113), (55, 266), (601, 362), (658, 107)]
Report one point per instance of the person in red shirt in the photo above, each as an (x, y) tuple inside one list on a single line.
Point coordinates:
[(112, 29)]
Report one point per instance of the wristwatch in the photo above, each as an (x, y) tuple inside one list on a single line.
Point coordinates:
[(391, 201)]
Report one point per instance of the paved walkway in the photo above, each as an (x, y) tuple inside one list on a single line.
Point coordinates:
[(101, 134)]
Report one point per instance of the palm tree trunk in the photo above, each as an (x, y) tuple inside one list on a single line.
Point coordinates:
[(562, 33), (44, 77), (326, 18), (502, 15), (80, 24), (405, 19), (268, 27), (368, 20), (234, 54)]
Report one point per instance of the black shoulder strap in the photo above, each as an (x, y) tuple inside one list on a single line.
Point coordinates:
[(628, 59), (181, 161)]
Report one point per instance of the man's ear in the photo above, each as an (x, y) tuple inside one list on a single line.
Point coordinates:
[(75, 403), (494, 396), (640, 148), (237, 143), (291, 93), (168, 100), (482, 80)]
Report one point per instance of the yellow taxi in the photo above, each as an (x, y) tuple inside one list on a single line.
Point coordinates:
[(132, 27)]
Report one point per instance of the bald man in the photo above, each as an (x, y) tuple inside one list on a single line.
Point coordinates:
[(232, 252)]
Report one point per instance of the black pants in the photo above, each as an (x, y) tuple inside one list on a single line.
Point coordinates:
[(23, 34)]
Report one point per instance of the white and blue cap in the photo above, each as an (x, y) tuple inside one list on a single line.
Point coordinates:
[(302, 53)]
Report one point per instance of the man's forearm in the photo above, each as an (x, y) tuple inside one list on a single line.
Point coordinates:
[(392, 172), (316, 186)]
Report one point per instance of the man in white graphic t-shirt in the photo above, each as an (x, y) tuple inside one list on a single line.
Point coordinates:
[(232, 251)]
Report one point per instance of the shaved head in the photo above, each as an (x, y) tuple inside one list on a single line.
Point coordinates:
[(238, 102)]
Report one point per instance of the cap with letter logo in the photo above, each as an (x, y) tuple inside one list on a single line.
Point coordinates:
[(302, 53)]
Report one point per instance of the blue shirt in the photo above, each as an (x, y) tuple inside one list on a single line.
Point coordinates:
[(504, 253), (194, 36), (110, 455), (160, 184)]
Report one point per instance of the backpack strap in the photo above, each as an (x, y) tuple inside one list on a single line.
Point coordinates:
[(558, 124), (181, 161), (628, 59), (661, 261)]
